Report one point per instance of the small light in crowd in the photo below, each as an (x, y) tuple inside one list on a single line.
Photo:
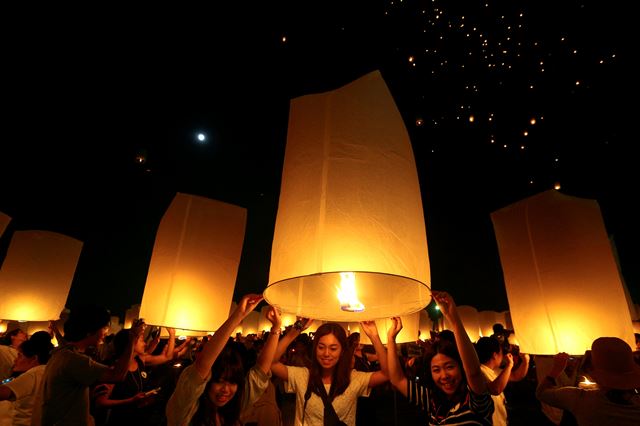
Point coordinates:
[(471, 119), (182, 337), (177, 365), (587, 384), (437, 308), (419, 122)]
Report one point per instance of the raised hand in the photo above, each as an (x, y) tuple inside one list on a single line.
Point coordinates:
[(396, 326), (445, 303), (370, 328), (559, 364), (306, 323), (273, 315), (247, 304)]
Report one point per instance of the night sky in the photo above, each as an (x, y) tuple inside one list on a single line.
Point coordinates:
[(502, 100)]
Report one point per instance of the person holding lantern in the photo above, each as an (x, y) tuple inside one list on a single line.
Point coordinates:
[(456, 391), (615, 401), (327, 392), (215, 389)]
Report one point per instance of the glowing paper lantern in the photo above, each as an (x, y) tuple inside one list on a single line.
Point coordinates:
[(559, 269), (425, 325), (132, 314), (4, 222), (194, 264), (470, 321), (350, 217), (486, 320), (36, 275)]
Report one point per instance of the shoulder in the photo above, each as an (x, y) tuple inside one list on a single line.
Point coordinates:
[(299, 372)]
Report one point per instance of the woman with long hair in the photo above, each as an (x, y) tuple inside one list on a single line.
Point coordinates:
[(215, 389), (455, 392), (327, 391)]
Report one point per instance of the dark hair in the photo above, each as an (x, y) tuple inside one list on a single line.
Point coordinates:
[(498, 328), (38, 345), (486, 347), (448, 348), (342, 372), (228, 367), (6, 338), (85, 320), (447, 335)]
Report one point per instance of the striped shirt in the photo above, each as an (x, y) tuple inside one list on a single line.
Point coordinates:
[(473, 410)]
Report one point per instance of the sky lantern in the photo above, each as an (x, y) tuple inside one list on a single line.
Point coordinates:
[(561, 277), (486, 319), (193, 266), (4, 222), (131, 314), (349, 241), (425, 325), (470, 320), (263, 323), (36, 275)]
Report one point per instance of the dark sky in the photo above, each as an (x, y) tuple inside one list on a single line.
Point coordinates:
[(83, 97)]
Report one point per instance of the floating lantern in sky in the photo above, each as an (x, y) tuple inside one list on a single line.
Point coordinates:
[(558, 268), (36, 275), (4, 222), (350, 221), (201, 137), (194, 264)]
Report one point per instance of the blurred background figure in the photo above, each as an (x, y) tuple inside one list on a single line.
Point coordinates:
[(615, 400)]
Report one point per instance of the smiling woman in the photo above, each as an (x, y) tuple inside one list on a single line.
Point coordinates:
[(329, 388)]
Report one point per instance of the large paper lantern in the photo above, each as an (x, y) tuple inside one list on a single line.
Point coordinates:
[(561, 278), (470, 321), (486, 320), (4, 222), (131, 314), (425, 325), (36, 275), (194, 264), (349, 241), (263, 323)]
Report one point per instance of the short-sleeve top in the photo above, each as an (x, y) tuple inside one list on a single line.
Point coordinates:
[(344, 404), (184, 401), (25, 388)]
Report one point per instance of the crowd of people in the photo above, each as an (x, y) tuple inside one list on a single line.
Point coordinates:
[(291, 377)]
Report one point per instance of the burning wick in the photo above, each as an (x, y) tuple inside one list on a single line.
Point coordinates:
[(347, 293), (586, 383)]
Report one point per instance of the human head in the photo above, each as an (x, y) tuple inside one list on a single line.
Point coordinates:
[(613, 364), (445, 366), (88, 321), (14, 338), (32, 352), (489, 348), (330, 347), (498, 328), (224, 391)]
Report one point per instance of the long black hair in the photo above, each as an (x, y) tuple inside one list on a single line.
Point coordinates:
[(228, 367), (341, 374), (439, 398)]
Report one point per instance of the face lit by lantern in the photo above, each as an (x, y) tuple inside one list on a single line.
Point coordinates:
[(446, 373), (328, 351)]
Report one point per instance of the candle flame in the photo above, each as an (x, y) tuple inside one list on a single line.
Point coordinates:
[(347, 293), (586, 381)]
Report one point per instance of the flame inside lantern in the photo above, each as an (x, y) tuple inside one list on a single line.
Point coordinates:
[(347, 293)]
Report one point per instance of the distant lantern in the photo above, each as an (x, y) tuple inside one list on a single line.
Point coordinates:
[(4, 222), (470, 321), (425, 325), (349, 241), (131, 314), (486, 320), (36, 275), (557, 186), (202, 137), (193, 266), (558, 268), (471, 119)]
